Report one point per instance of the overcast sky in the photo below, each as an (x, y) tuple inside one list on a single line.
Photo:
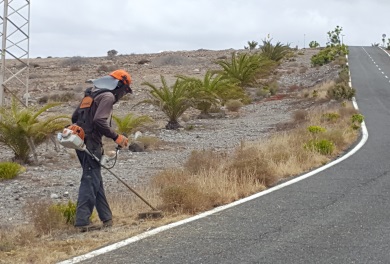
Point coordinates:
[(90, 28)]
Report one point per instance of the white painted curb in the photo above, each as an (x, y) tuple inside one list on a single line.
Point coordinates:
[(224, 207)]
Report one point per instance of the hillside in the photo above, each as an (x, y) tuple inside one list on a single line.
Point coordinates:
[(58, 174)]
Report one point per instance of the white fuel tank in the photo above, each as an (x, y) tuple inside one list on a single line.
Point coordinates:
[(70, 140)]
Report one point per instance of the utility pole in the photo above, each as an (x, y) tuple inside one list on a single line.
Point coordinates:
[(15, 45)]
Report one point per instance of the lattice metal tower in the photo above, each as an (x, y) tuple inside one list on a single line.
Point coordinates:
[(15, 34)]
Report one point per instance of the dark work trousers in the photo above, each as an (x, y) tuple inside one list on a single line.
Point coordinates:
[(91, 192)]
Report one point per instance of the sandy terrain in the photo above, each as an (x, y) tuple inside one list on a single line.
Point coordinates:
[(58, 174)]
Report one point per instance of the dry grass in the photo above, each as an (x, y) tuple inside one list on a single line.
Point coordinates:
[(234, 105), (44, 217), (319, 92), (207, 180), (25, 245), (150, 143)]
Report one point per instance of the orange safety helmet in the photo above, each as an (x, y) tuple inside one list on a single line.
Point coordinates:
[(122, 75)]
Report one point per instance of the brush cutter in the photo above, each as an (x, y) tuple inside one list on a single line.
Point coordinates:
[(70, 140)]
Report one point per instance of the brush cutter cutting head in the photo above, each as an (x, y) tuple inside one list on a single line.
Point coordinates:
[(150, 215)]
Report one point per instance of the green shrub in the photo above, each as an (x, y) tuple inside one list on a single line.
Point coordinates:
[(189, 127), (328, 54), (343, 76), (322, 146), (323, 57), (130, 123), (9, 170), (234, 93), (330, 117), (316, 129), (341, 91), (314, 44), (263, 92), (272, 87), (357, 119), (234, 105), (68, 211)]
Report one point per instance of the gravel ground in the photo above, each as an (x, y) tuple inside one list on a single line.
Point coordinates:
[(58, 175)]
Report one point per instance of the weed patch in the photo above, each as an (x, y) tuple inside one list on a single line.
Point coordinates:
[(9, 170), (322, 146)]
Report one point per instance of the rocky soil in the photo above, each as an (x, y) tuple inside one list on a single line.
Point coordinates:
[(58, 174)]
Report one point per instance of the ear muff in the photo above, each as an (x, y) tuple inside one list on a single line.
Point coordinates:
[(125, 86), (120, 85)]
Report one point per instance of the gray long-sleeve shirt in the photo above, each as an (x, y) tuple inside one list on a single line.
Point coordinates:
[(101, 111)]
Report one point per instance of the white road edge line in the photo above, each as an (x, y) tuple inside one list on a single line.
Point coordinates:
[(224, 207)]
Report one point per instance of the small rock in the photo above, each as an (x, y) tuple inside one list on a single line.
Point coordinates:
[(137, 135), (26, 96), (54, 196), (137, 146)]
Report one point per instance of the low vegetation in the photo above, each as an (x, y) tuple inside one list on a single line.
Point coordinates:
[(209, 178), (242, 68), (173, 101), (212, 91), (130, 123), (22, 129), (9, 170)]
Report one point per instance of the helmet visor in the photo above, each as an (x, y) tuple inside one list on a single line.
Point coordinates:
[(106, 82)]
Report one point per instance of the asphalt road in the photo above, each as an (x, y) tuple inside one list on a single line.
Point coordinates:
[(340, 215)]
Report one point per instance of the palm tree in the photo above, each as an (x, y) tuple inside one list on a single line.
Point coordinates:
[(241, 68), (213, 89), (127, 124), (22, 129), (275, 53), (205, 91), (173, 101), (252, 45)]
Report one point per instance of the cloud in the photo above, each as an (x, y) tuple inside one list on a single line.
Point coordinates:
[(91, 28)]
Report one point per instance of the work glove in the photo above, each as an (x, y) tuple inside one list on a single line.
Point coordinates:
[(122, 141)]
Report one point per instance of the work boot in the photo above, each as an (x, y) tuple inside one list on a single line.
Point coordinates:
[(88, 228), (107, 223)]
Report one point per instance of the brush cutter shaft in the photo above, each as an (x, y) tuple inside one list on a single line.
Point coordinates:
[(131, 189), (119, 179)]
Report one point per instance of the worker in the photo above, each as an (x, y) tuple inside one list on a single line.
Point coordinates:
[(93, 115)]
